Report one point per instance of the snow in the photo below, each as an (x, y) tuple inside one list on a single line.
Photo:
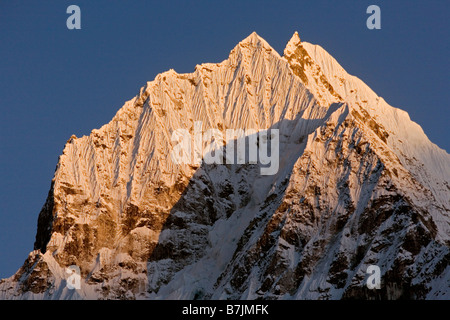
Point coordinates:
[(126, 164), (427, 163)]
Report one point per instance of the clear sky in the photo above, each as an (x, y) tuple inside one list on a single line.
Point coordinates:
[(56, 82)]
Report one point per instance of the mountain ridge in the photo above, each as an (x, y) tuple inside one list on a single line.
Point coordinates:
[(122, 210)]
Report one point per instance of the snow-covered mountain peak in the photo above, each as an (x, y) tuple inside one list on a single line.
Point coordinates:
[(358, 183), (292, 44), (254, 38), (252, 44)]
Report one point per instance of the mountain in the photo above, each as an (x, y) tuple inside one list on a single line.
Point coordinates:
[(357, 183)]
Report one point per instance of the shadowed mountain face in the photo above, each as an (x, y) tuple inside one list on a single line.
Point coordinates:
[(358, 184)]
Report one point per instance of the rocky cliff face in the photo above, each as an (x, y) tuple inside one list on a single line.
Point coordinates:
[(358, 184)]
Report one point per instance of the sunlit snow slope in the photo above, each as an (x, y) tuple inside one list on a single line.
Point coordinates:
[(358, 184)]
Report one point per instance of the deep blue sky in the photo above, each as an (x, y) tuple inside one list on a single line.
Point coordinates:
[(56, 82)]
